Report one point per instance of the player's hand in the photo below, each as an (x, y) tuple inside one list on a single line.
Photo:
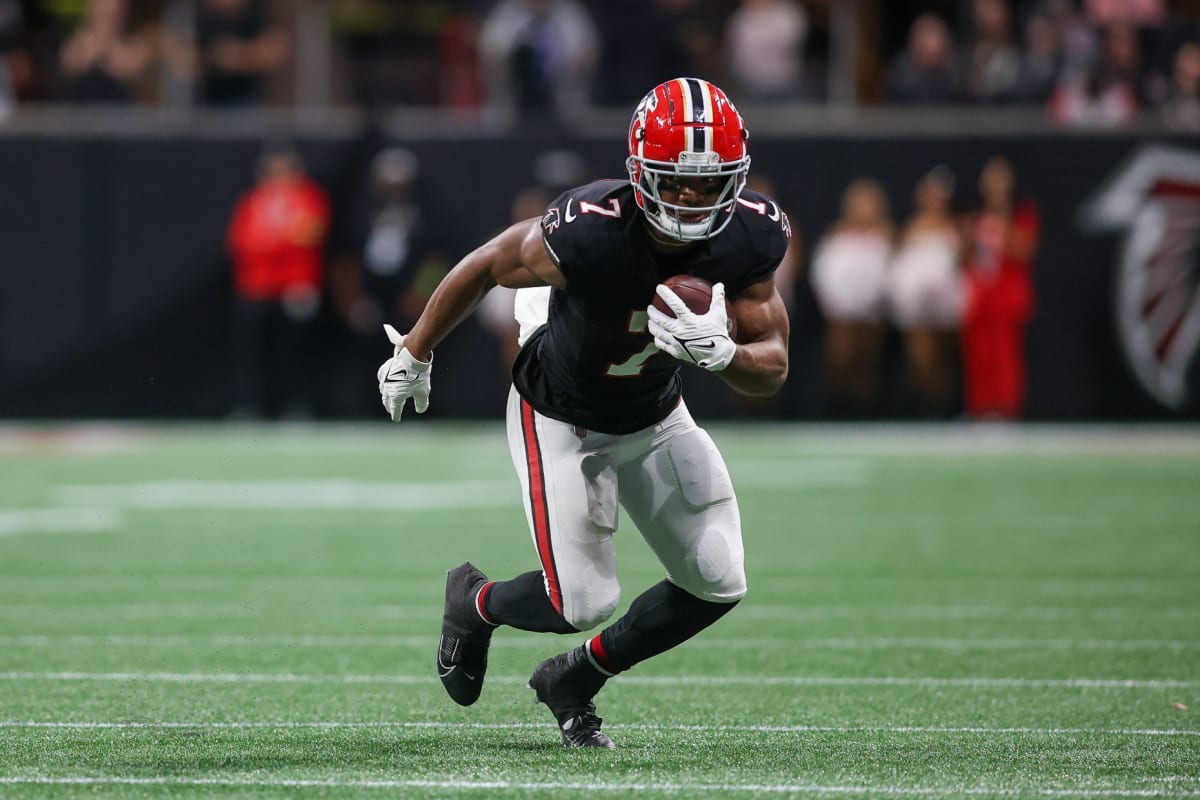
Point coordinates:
[(402, 377), (699, 339)]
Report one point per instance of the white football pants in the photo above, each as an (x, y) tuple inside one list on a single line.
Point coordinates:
[(669, 477)]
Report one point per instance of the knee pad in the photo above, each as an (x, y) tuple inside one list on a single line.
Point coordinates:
[(587, 608), (713, 571)]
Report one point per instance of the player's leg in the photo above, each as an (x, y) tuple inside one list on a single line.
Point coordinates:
[(681, 498), (466, 636), (570, 500), (569, 482), (569, 489), (678, 492), (534, 601)]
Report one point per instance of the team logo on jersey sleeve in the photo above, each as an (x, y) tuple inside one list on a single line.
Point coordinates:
[(551, 221)]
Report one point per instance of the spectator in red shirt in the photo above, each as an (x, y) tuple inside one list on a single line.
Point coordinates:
[(276, 243), (1002, 241)]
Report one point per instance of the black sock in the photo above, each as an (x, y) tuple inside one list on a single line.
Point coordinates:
[(522, 603), (660, 618)]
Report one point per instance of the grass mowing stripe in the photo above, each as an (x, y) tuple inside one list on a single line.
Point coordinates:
[(899, 729), (757, 611), (526, 786), (710, 642), (965, 565), (631, 680)]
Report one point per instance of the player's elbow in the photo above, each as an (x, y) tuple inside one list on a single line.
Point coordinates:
[(767, 382), (777, 382)]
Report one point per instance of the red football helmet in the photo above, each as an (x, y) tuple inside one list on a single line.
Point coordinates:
[(687, 127)]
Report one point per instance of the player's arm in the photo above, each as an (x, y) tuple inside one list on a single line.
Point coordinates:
[(757, 364), (516, 258), (760, 363)]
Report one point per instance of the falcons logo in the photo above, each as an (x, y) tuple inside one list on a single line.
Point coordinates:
[(1155, 199)]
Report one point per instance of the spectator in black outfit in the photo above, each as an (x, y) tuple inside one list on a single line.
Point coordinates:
[(926, 72), (639, 43), (103, 59), (539, 56), (237, 50), (993, 60), (1041, 63), (1182, 110), (385, 261)]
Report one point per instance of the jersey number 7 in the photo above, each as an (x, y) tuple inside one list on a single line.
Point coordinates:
[(633, 366)]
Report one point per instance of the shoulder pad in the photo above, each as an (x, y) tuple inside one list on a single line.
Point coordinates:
[(582, 222), (761, 211)]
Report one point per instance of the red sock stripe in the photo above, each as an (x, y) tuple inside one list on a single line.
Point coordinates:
[(537, 502), (481, 599), (597, 648)]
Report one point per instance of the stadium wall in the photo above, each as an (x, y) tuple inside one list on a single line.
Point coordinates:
[(114, 289)]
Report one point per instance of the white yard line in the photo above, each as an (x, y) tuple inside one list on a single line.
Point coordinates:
[(524, 643), (897, 729), (57, 520), (822, 440), (360, 495), (630, 680), (302, 494), (657, 787)]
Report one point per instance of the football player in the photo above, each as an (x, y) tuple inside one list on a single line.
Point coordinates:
[(596, 417)]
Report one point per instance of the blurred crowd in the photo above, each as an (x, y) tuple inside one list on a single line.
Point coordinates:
[(956, 286), (1088, 62), (1093, 63), (922, 316)]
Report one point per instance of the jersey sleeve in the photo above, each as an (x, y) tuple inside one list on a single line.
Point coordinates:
[(770, 232), (581, 226)]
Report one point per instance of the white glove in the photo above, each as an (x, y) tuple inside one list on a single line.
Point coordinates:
[(700, 339), (402, 377)]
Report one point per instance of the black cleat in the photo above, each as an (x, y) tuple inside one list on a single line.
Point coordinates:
[(566, 684), (463, 648)]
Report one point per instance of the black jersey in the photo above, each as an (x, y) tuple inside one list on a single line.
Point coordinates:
[(593, 363)]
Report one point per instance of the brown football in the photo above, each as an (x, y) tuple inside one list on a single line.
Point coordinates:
[(696, 293)]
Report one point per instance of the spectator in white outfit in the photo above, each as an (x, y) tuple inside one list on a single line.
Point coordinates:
[(765, 41), (925, 290), (849, 276)]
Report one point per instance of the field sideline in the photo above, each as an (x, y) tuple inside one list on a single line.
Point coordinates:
[(934, 612)]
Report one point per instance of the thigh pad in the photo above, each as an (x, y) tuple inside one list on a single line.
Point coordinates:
[(699, 470)]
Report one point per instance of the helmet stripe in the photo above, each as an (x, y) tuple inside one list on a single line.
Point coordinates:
[(686, 93), (695, 108), (709, 115)]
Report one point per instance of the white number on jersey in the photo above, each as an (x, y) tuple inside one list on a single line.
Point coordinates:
[(633, 366)]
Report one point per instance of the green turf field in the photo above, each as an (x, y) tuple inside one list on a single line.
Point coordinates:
[(241, 611)]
